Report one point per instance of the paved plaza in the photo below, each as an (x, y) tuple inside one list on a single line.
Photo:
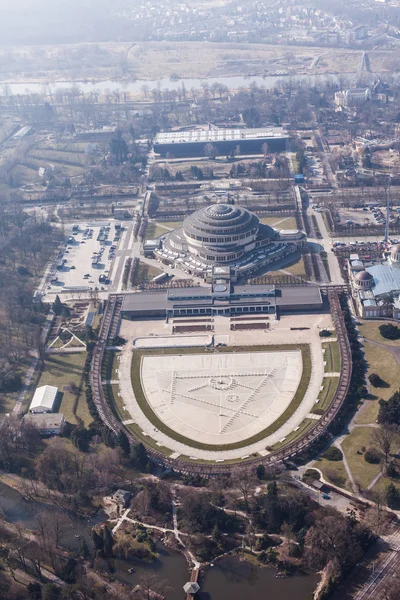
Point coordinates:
[(292, 329), (221, 398)]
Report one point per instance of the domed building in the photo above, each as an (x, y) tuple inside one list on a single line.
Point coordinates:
[(226, 235), (376, 284), (364, 280), (395, 254)]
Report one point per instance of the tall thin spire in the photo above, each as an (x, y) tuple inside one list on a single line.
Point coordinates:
[(387, 212)]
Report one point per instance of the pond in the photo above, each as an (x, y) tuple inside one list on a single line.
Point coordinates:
[(14, 509), (235, 579)]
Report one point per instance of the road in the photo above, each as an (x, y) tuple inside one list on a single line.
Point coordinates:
[(326, 242)]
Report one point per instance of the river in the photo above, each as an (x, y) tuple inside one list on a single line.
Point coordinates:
[(230, 578), (135, 87)]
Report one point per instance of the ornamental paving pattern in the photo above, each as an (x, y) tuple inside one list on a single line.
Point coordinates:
[(221, 398)]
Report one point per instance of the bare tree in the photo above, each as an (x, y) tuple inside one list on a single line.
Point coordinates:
[(151, 583), (40, 346), (245, 481), (384, 439)]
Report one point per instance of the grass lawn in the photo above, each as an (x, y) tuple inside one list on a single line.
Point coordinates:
[(48, 155), (298, 397), (60, 370), (331, 357), (82, 410), (286, 223), (362, 471), (297, 268), (23, 175), (170, 224), (334, 471), (368, 412), (117, 405), (283, 222), (7, 402), (145, 273), (383, 363), (154, 230), (383, 482), (293, 435), (325, 396), (270, 220), (370, 330)]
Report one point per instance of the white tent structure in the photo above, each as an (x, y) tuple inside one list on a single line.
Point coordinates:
[(44, 399)]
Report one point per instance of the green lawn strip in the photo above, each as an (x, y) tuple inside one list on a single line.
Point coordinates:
[(287, 223), (60, 370), (116, 404), (298, 397), (362, 471), (135, 430), (153, 230), (334, 472), (296, 268), (145, 272), (326, 395), (270, 220), (368, 412), (170, 224), (293, 435), (382, 362), (232, 461), (82, 409), (331, 357), (110, 365)]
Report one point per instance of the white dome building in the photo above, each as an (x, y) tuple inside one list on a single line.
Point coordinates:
[(226, 235)]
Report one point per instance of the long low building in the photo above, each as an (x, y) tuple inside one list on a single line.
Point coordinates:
[(222, 299), (47, 423), (195, 142), (44, 399)]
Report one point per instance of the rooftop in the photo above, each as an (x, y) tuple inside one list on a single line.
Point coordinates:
[(45, 420), (386, 278), (44, 398), (290, 296), (205, 136)]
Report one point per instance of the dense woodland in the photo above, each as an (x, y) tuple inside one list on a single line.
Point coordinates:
[(26, 244)]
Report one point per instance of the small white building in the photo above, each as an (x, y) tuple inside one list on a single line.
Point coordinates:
[(44, 399)]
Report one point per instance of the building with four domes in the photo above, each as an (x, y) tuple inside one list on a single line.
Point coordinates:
[(376, 285)]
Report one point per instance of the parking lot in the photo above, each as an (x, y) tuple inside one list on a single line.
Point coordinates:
[(85, 263), (371, 215)]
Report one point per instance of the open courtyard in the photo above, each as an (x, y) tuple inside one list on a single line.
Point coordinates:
[(222, 403), (221, 398)]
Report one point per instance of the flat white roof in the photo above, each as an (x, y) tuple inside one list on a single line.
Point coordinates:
[(43, 399), (219, 135)]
